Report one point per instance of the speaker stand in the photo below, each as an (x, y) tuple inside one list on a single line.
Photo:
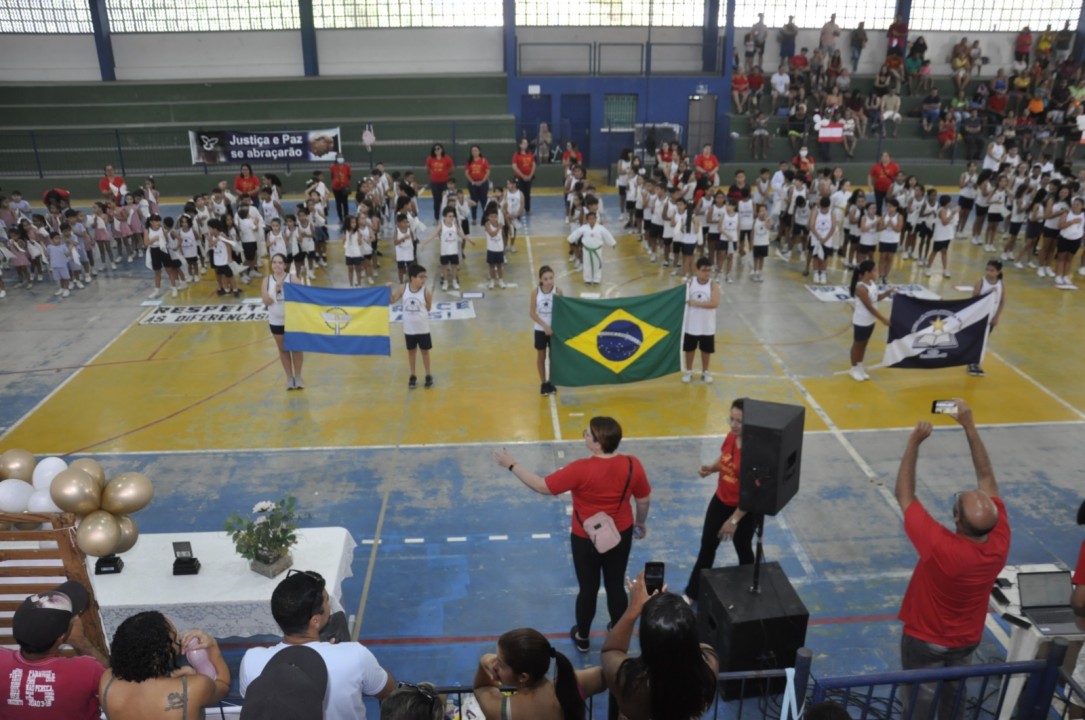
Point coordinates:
[(759, 555)]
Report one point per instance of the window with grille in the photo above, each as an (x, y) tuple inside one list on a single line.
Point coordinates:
[(336, 14), (619, 112), (993, 15), (657, 13), (151, 16), (812, 14), (70, 17)]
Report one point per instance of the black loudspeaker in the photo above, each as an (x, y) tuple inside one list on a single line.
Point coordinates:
[(771, 455), (751, 631)]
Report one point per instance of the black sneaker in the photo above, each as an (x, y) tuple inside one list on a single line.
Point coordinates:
[(975, 370), (237, 293), (412, 383), (582, 644), (544, 389), (550, 389), (429, 381), (220, 292)]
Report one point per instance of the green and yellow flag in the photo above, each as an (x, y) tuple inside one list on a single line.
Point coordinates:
[(599, 342)]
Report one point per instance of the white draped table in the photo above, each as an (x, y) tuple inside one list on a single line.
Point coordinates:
[(226, 598)]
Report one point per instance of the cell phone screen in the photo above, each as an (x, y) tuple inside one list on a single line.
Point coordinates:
[(944, 407), (653, 576)]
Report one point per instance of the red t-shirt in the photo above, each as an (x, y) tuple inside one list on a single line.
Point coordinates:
[(946, 600), (55, 687), (740, 83), (997, 103), (884, 175), (525, 162), (476, 169), (665, 158), (112, 185), (340, 176), (575, 158), (799, 62), (1023, 43), (440, 168), (757, 81), (730, 466), (704, 164), (247, 185), (596, 484), (1079, 571)]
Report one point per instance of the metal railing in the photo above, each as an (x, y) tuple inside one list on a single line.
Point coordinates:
[(1069, 692), (138, 151)]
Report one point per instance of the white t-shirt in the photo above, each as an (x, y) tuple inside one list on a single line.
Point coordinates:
[(699, 320), (352, 673)]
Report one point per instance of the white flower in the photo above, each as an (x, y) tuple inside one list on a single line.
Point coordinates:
[(260, 520), (263, 506)]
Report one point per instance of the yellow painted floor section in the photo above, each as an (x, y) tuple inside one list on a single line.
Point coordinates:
[(220, 386)]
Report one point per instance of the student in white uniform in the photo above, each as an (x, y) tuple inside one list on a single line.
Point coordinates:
[(1071, 230), (221, 254), (154, 240), (890, 225), (592, 236), (190, 247), (306, 232), (451, 239), (728, 230), (763, 226), (514, 211), (495, 246), (417, 302), (991, 282), (542, 314), (865, 291), (272, 295), (403, 240), (967, 197), (352, 251), (702, 299), (945, 222), (822, 232), (687, 236)]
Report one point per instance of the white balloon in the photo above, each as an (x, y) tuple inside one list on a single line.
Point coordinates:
[(14, 495), (46, 470), (42, 502)]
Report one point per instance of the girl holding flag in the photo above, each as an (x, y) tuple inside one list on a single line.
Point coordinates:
[(864, 289), (991, 282), (272, 295)]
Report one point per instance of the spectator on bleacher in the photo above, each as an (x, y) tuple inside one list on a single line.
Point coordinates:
[(912, 66), (675, 674), (292, 687), (439, 166), (850, 133), (780, 83), (1026, 126), (830, 31), (894, 65), (882, 82), (300, 607), (1022, 46), (975, 57), (1064, 43), (1044, 47), (796, 126), (145, 681), (997, 105), (947, 134), (760, 33), (931, 111), (960, 66), (112, 186), (477, 169), (872, 108), (706, 164), (857, 43), (341, 189), (759, 135), (960, 106), (522, 661), (897, 36), (572, 156), (1020, 90), (853, 101), (523, 168), (800, 68), (41, 683), (740, 90), (786, 37), (843, 81), (817, 71), (246, 183), (945, 605), (971, 129), (756, 78), (602, 483), (891, 111)]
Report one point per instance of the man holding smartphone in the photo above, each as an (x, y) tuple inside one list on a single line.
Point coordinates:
[(945, 605)]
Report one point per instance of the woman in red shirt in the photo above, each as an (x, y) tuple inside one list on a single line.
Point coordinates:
[(478, 180), (341, 189), (440, 168), (523, 167), (724, 519), (246, 183), (601, 483)]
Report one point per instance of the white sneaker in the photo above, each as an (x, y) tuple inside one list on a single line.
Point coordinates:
[(65, 293), (256, 273), (975, 240), (1059, 280), (370, 279), (311, 275), (1032, 264), (455, 283), (1019, 266), (491, 284), (929, 273), (1041, 272), (866, 375), (856, 373), (578, 266), (730, 278), (173, 292), (444, 284), (512, 249), (153, 294), (78, 285), (1068, 281), (706, 378), (1081, 270), (687, 376), (1050, 272), (501, 283), (674, 272), (652, 257), (945, 273)]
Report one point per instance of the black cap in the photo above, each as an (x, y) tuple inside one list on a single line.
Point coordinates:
[(291, 687), (44, 618)]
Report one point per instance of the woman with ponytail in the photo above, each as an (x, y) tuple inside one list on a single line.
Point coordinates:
[(865, 291), (674, 677), (522, 661)]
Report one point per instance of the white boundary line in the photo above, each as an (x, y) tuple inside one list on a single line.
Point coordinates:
[(555, 419), (71, 377), (1040, 386)]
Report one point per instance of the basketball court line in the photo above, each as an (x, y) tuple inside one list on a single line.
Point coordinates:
[(1050, 393)]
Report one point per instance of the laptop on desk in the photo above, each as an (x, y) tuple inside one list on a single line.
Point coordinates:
[(1045, 601)]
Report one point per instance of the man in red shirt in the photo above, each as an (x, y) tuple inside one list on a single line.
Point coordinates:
[(40, 684), (1077, 602), (112, 186), (341, 189), (707, 164), (945, 605), (881, 178)]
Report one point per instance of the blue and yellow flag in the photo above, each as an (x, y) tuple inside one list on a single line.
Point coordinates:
[(338, 321), (597, 342)]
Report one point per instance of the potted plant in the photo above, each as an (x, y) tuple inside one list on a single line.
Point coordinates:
[(265, 539)]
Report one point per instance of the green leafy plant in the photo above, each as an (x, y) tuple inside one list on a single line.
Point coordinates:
[(269, 534)]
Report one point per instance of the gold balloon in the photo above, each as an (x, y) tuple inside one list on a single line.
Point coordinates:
[(98, 534), (129, 534), (92, 468), (75, 491), (17, 464), (127, 493)]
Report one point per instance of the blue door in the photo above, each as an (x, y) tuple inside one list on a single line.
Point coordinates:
[(576, 123), (534, 109)]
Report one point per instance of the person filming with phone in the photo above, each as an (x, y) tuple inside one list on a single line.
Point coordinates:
[(945, 605), (603, 522), (724, 519)]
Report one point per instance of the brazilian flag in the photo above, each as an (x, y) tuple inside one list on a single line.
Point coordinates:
[(599, 342)]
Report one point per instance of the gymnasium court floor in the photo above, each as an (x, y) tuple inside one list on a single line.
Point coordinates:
[(452, 550)]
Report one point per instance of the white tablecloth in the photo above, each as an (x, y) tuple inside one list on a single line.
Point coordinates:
[(226, 598)]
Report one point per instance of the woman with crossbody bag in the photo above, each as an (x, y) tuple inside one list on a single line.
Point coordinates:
[(603, 525)]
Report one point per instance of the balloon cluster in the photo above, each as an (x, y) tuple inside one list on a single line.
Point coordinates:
[(53, 485)]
